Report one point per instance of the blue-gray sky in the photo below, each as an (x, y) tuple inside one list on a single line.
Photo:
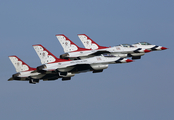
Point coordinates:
[(142, 90)]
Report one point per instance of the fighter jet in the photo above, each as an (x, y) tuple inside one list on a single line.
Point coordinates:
[(27, 73), (73, 52), (149, 46), (68, 68), (123, 50)]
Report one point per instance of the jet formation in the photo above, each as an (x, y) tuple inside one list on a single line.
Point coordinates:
[(92, 58)]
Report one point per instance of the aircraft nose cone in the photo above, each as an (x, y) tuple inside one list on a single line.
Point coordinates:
[(163, 48), (146, 51), (128, 60)]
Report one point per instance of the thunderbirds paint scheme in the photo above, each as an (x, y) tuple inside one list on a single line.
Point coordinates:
[(68, 68), (75, 60), (72, 51), (27, 73), (123, 50), (149, 46)]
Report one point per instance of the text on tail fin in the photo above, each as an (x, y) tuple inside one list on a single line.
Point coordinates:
[(19, 64)]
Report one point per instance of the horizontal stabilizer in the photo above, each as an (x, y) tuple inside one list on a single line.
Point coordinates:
[(10, 79)]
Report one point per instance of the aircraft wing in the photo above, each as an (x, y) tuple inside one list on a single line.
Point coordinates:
[(63, 66), (100, 52)]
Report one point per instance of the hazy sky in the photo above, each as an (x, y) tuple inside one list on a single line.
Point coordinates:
[(142, 90)]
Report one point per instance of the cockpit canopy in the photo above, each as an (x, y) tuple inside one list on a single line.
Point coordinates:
[(126, 45), (143, 43)]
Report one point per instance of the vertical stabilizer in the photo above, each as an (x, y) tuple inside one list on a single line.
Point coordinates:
[(19, 64), (89, 43), (45, 55), (67, 44)]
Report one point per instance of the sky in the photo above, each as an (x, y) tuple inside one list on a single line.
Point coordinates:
[(141, 90)]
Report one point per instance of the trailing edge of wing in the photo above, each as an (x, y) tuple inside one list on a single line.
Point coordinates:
[(100, 52)]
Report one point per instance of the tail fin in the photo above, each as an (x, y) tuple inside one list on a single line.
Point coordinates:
[(45, 55), (89, 43), (19, 64), (67, 44)]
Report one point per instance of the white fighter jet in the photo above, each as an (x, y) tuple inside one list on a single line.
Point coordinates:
[(73, 52), (27, 73), (149, 46), (68, 68), (123, 50)]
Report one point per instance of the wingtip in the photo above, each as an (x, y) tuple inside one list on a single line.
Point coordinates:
[(129, 60), (146, 51)]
